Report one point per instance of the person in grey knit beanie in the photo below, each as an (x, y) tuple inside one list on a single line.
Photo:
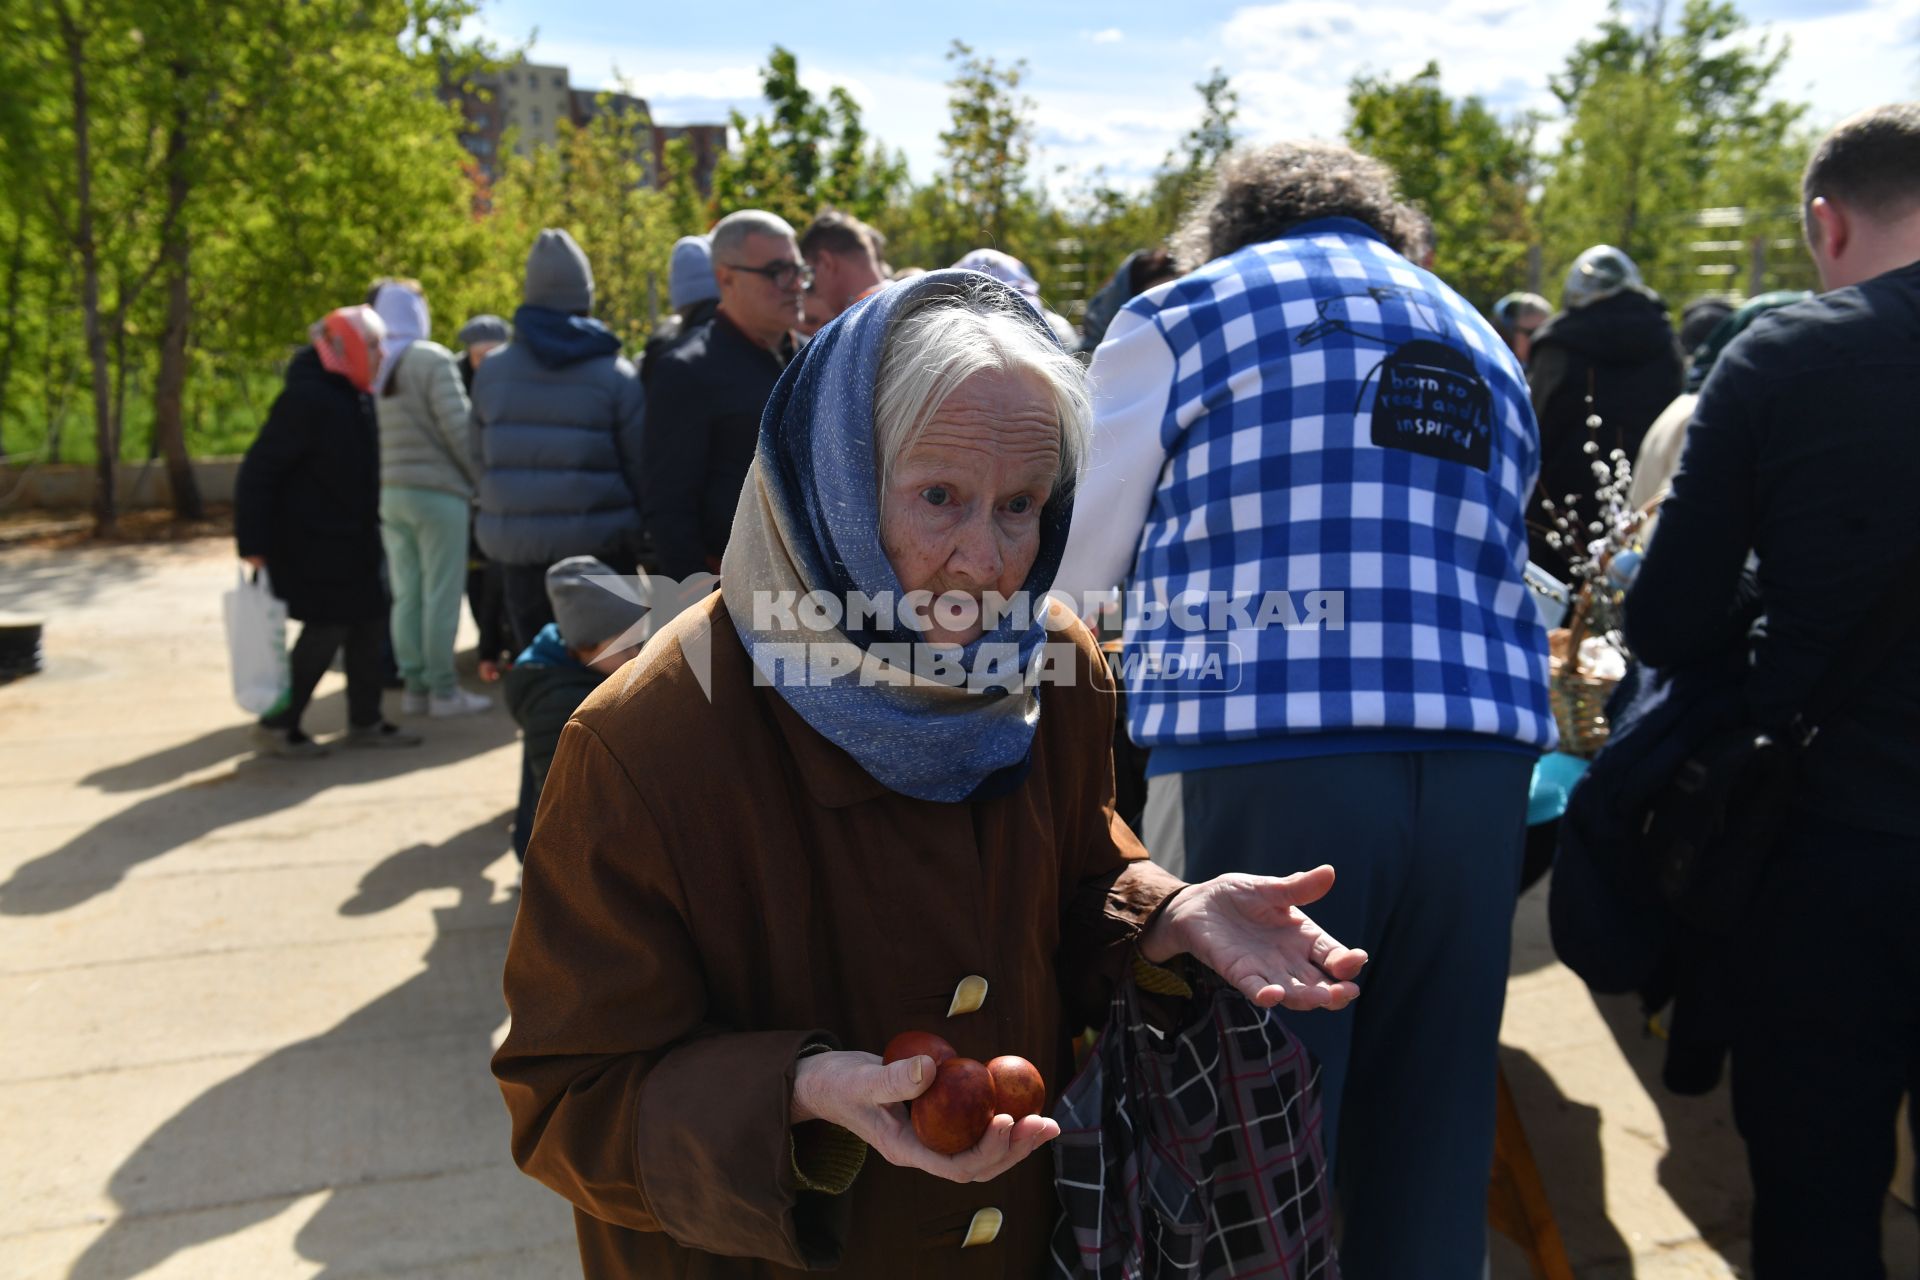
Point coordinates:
[(692, 292), (593, 606), (598, 625), (559, 275), (559, 415), (690, 276)]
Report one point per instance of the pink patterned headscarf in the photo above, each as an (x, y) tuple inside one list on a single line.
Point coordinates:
[(349, 341)]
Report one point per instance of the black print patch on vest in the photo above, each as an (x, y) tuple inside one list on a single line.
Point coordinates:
[(1428, 398)]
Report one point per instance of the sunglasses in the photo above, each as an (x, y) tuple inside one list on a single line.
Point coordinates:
[(782, 274)]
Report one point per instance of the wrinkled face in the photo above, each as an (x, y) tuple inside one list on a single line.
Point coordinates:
[(960, 514), (750, 294)]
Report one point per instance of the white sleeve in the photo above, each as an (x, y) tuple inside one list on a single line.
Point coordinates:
[(1132, 376)]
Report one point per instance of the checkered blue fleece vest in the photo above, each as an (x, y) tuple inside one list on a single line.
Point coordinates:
[(1346, 430)]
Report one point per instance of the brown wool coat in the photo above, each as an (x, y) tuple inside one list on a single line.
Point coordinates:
[(712, 886)]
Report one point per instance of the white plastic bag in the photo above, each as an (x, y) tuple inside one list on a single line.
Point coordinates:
[(257, 644)]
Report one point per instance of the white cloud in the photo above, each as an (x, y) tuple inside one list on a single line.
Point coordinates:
[(1291, 63), (1847, 62)]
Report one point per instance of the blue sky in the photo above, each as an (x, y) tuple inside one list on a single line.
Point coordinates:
[(1112, 83)]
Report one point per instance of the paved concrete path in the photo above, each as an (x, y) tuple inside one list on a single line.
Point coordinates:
[(249, 1003)]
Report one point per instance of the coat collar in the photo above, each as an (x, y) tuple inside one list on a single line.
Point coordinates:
[(726, 330), (832, 777)]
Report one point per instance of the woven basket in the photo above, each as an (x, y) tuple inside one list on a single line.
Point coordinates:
[(1579, 698)]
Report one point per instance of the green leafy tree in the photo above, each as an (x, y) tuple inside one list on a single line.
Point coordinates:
[(1189, 168), (593, 182), (157, 154), (806, 154), (686, 206), (1464, 167), (757, 175), (778, 164), (799, 123), (861, 176), (987, 147), (1109, 222), (1665, 119), (624, 225)]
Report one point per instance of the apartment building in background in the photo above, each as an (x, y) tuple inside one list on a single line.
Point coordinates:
[(527, 101)]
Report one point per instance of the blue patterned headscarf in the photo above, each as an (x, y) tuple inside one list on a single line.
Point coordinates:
[(809, 520)]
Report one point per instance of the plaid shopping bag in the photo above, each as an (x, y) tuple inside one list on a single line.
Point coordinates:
[(1190, 1147)]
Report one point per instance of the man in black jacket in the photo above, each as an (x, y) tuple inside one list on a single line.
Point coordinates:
[(1610, 353), (705, 397), (1802, 457)]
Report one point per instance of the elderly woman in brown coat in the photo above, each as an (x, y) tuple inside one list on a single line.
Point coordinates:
[(846, 797)]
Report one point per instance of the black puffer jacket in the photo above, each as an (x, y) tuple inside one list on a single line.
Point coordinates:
[(1623, 350), (308, 497)]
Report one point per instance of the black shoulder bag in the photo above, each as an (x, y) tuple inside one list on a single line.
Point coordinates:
[(1668, 836)]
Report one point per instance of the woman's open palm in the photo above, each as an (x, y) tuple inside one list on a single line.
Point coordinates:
[(1251, 931)]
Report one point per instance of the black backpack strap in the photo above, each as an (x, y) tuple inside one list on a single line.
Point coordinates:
[(1866, 651)]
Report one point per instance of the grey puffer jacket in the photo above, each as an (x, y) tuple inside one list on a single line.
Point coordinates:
[(557, 416), (424, 431)]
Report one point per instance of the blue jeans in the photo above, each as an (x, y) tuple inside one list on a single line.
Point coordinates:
[(1427, 848), (425, 532)]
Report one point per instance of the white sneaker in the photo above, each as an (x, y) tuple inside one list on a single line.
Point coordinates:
[(413, 704), (458, 703)]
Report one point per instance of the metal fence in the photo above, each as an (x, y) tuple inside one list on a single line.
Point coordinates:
[(1746, 252)]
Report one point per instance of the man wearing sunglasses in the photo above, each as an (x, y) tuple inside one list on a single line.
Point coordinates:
[(705, 399)]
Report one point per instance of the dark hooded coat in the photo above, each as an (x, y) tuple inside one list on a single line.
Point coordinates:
[(1622, 350), (308, 497)]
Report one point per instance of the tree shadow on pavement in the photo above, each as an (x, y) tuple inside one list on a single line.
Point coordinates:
[(1704, 1169), (99, 858), (1565, 1138), (169, 764), (1532, 938), (377, 1109), (43, 583)]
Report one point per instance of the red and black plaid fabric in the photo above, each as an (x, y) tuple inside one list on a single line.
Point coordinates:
[(1190, 1147)]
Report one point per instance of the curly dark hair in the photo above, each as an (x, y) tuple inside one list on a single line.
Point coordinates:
[(1257, 195)]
